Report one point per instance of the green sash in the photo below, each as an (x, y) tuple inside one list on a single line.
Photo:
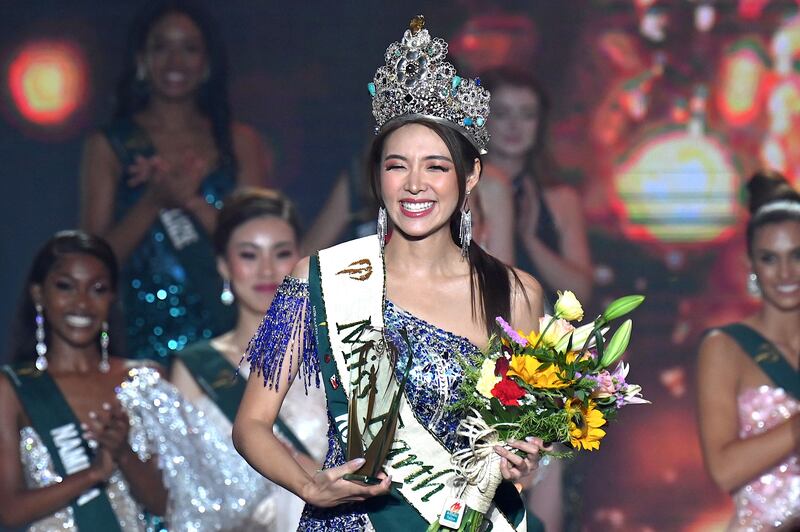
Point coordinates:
[(59, 429), (217, 377), (767, 356), (182, 232), (393, 511)]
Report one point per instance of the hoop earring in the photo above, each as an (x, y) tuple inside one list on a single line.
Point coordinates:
[(465, 227), (752, 285), (382, 226), (41, 347), (226, 297), (104, 365)]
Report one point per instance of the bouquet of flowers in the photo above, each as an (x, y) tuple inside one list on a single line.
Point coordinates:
[(561, 385)]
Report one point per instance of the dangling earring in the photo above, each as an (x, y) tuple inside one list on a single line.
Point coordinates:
[(752, 285), (382, 227), (104, 366), (465, 228), (226, 297), (141, 72), (41, 347)]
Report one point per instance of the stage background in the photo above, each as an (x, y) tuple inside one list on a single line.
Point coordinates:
[(662, 109)]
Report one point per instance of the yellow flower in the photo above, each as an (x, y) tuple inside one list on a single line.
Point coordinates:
[(584, 425), (488, 379), (568, 306), (529, 369)]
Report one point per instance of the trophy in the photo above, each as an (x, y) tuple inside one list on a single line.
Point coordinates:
[(376, 392)]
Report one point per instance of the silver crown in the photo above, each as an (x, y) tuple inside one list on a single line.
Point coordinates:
[(417, 82)]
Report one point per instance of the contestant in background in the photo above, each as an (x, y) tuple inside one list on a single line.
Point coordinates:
[(748, 379), (551, 242), (154, 179), (439, 287), (256, 245), (84, 433)]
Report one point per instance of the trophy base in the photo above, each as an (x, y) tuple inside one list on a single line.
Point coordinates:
[(362, 479)]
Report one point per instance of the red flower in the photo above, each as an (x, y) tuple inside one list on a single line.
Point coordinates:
[(501, 367), (508, 392)]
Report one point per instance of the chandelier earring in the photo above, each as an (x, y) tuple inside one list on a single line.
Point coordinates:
[(465, 228), (226, 297), (383, 224), (104, 366), (753, 287), (41, 347)]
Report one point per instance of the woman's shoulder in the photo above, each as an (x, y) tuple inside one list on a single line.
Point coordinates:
[(493, 173), (300, 270)]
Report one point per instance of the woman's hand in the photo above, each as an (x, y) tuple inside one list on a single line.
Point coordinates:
[(170, 185), (327, 488), (109, 429), (103, 465), (513, 466), (527, 210)]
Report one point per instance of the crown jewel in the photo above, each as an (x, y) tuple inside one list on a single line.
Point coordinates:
[(417, 82)]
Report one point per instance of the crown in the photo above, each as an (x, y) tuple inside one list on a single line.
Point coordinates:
[(417, 82)]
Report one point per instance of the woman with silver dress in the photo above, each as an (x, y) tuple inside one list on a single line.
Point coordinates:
[(90, 441)]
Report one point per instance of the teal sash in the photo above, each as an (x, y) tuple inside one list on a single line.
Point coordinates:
[(217, 377), (391, 512), (197, 257), (59, 429), (767, 356)]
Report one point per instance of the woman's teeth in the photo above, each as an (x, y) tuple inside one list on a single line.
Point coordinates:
[(787, 288), (416, 206), (78, 321)]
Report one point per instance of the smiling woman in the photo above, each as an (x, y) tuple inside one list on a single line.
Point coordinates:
[(154, 179), (749, 382)]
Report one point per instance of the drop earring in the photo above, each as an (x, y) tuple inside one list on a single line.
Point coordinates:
[(382, 226), (41, 347), (141, 73), (104, 365), (465, 228), (226, 297), (752, 285)]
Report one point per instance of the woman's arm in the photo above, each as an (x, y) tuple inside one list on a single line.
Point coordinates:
[(252, 157), (20, 505), (571, 267), (253, 437), (332, 219), (731, 461), (526, 302), (100, 174)]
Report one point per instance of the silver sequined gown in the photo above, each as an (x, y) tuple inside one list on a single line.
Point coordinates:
[(773, 498), (209, 485), (432, 385)]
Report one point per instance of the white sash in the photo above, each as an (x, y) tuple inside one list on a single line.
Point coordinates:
[(352, 279)]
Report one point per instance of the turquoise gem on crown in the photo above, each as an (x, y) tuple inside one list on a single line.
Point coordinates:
[(371, 88)]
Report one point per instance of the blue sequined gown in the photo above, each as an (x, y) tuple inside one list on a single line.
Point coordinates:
[(164, 310), (432, 385)]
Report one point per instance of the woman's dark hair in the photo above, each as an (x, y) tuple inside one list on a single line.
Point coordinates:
[(539, 164), (490, 280), (61, 244), (247, 204), (133, 94), (772, 200)]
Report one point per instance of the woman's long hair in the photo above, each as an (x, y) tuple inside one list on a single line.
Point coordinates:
[(539, 164), (133, 94), (23, 333), (490, 280)]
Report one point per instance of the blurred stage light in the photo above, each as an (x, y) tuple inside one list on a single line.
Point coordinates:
[(487, 41), (740, 95), (675, 187), (47, 82)]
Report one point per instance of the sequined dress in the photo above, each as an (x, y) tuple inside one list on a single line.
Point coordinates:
[(772, 499), (164, 309), (207, 481), (432, 385)]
